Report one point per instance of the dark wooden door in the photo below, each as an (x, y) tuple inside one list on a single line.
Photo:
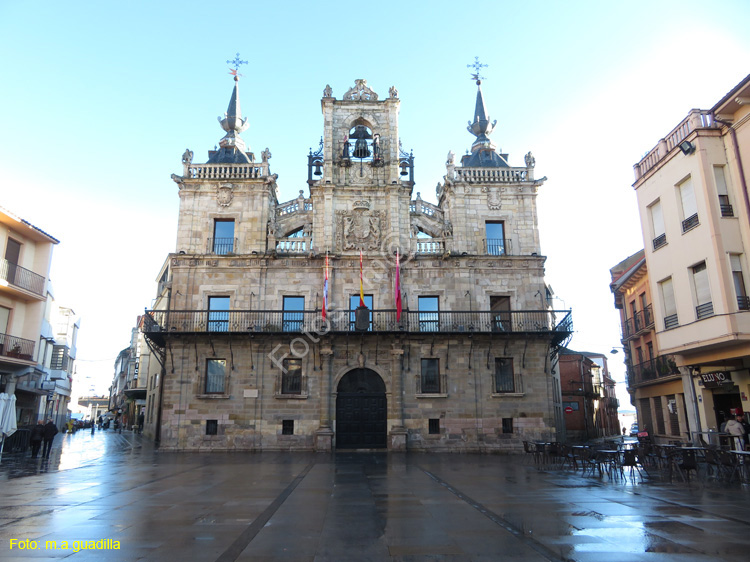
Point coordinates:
[(360, 421)]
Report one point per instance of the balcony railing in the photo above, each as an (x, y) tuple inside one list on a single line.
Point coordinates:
[(704, 310), (16, 275), (690, 222), (281, 321), (727, 211), (660, 241), (491, 175), (227, 171), (743, 303), (429, 246), (654, 369), (642, 320), (295, 245), (498, 246), (17, 348), (671, 321), (221, 246)]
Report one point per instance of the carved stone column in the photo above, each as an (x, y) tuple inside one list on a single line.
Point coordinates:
[(324, 433)]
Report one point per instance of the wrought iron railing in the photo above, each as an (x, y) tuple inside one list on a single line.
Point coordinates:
[(704, 310), (16, 275), (641, 320), (690, 222), (280, 321), (660, 241), (727, 211), (743, 302), (221, 246), (671, 321), (18, 348), (659, 367), (498, 246)]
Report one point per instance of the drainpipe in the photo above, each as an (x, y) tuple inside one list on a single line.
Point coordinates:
[(741, 170), (157, 429)]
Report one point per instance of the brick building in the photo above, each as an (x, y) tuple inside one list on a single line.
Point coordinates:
[(454, 348)]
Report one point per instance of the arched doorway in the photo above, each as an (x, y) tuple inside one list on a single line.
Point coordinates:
[(361, 411)]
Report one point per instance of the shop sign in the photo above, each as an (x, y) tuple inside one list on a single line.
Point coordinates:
[(714, 380)]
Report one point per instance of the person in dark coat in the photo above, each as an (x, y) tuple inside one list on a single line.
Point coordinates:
[(50, 430), (37, 434)]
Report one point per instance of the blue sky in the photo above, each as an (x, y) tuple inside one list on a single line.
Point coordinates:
[(99, 101)]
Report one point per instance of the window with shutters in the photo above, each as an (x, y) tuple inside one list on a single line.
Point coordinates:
[(743, 302), (689, 206), (657, 225), (703, 305), (668, 304)]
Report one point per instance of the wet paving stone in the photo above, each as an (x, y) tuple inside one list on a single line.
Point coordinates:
[(342, 507)]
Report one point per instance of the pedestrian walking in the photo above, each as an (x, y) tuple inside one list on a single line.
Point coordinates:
[(737, 431), (37, 434), (140, 422), (50, 430)]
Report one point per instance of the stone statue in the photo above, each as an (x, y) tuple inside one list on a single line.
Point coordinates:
[(376, 154), (187, 157), (327, 91), (393, 92), (450, 160), (447, 228), (529, 159), (265, 155)]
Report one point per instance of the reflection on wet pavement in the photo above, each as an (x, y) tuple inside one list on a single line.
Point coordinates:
[(341, 507)]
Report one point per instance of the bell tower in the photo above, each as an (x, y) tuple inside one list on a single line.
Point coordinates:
[(364, 179)]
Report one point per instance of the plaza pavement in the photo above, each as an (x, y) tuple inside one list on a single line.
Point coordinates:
[(350, 507)]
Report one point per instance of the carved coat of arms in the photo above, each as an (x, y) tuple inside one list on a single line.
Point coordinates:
[(224, 195), (360, 228)]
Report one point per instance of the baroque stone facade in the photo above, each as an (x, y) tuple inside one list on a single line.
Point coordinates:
[(252, 361)]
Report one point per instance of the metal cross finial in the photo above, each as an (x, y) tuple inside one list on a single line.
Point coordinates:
[(477, 66), (236, 62)]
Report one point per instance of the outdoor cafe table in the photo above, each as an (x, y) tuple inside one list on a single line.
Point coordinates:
[(610, 458), (743, 459)]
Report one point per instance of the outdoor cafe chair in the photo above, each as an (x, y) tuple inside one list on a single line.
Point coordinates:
[(631, 459)]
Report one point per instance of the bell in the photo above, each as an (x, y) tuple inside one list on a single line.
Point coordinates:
[(404, 168), (361, 150), (317, 165)]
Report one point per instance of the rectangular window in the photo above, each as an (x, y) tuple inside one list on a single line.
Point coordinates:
[(12, 256), (430, 379), (354, 305), (495, 231), (434, 426), (668, 302), (504, 379), (287, 427), (743, 302), (59, 358), (218, 314), (293, 314), (212, 427), (223, 241), (507, 425), (657, 225), (500, 309), (215, 376), (428, 314), (703, 305), (572, 405), (721, 190), (4, 318), (689, 207), (291, 380)]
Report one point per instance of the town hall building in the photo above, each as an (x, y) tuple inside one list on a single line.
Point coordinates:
[(356, 316)]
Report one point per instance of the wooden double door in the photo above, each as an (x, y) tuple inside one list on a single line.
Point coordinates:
[(361, 411)]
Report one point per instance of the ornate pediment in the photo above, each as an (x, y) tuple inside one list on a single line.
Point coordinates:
[(360, 92), (360, 229)]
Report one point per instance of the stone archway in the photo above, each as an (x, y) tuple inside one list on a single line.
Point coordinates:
[(361, 411)]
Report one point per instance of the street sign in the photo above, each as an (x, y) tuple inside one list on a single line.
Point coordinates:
[(568, 410)]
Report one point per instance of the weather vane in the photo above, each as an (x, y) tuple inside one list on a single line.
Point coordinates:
[(477, 66), (236, 62)]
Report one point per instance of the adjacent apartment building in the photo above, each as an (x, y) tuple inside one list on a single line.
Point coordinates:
[(26, 337), (694, 309), (358, 315)]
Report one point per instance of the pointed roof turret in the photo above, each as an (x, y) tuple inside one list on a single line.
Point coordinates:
[(231, 146), (483, 153)]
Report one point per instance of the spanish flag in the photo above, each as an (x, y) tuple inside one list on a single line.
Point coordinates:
[(325, 290), (361, 282)]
